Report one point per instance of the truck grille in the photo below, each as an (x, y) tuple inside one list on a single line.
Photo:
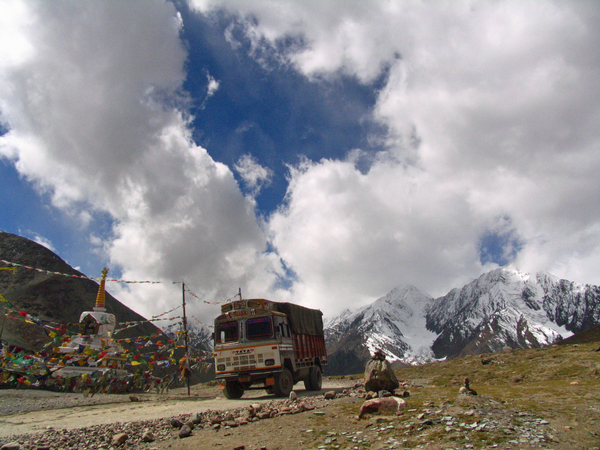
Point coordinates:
[(241, 362)]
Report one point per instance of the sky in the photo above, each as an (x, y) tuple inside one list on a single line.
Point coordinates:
[(320, 153)]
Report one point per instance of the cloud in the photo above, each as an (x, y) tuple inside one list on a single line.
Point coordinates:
[(97, 117), (492, 110), (254, 175), (43, 241)]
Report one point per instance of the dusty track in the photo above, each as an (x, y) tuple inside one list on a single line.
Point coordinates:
[(30, 411)]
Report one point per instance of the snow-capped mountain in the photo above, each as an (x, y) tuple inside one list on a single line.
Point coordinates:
[(506, 307), (501, 308), (394, 323), (199, 337)]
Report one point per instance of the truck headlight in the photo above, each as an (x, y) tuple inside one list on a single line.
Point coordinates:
[(269, 362), (221, 367)]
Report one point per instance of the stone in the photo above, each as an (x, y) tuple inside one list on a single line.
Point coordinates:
[(133, 398), (148, 436), (176, 423), (119, 438), (329, 395), (11, 446), (196, 418), (216, 420), (293, 396), (185, 431), (385, 405), (379, 375)]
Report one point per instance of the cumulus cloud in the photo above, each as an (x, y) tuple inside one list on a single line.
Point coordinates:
[(254, 175), (492, 110), (96, 116)]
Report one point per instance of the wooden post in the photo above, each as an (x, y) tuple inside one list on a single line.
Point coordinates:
[(185, 330)]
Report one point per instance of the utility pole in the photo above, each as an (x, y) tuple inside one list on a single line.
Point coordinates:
[(187, 350)]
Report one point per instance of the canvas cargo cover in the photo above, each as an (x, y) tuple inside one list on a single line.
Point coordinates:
[(303, 320)]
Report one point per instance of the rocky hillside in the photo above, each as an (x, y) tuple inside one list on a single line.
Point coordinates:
[(502, 308), (54, 298)]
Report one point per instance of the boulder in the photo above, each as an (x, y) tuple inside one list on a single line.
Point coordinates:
[(176, 423), (196, 418), (379, 375), (185, 431), (329, 395), (148, 436), (385, 406), (11, 446), (119, 438)]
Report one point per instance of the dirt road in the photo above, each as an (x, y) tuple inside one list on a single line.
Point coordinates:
[(30, 411)]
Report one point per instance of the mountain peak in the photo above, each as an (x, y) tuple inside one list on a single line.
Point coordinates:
[(502, 307)]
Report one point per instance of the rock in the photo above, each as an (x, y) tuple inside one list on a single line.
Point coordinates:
[(379, 375), (11, 446), (216, 420), (190, 424), (185, 431), (176, 423), (507, 349), (574, 383), (329, 395), (119, 438), (148, 436), (196, 418), (385, 405), (133, 398), (293, 396)]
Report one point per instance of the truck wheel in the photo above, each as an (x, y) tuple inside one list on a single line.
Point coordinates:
[(283, 383), (314, 380), (233, 390)]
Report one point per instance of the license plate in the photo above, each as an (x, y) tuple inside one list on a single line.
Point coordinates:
[(244, 379)]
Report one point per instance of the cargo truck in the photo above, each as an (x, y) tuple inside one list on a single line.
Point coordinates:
[(261, 344)]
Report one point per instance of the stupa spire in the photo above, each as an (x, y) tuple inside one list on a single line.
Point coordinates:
[(100, 297)]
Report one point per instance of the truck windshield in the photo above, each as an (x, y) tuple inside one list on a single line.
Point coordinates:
[(227, 332), (259, 328)]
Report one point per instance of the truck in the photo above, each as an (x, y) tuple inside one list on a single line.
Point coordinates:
[(262, 344)]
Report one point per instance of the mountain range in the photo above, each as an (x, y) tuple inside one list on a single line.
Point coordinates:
[(501, 308)]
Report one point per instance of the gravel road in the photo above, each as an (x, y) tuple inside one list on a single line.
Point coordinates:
[(29, 411)]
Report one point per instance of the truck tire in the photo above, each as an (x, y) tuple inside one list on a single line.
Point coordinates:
[(314, 380), (283, 383), (233, 390)]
